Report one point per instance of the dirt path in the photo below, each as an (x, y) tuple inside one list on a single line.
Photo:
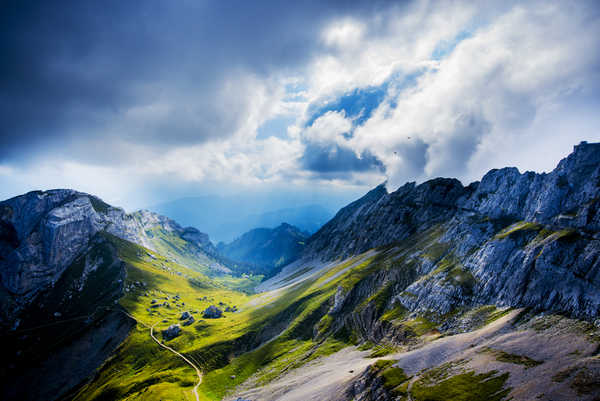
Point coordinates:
[(198, 372)]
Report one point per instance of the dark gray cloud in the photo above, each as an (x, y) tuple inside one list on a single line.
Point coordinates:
[(73, 69), (333, 159)]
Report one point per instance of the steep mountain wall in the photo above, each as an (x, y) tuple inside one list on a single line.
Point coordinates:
[(512, 239), (41, 233), (566, 197)]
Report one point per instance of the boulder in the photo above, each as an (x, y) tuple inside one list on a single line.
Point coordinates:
[(185, 315), (173, 331), (212, 312), (189, 321)]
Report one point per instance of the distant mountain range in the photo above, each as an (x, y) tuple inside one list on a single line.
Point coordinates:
[(226, 218), (268, 249)]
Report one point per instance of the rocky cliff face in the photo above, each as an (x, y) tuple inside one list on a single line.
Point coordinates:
[(61, 277), (567, 197), (512, 239), (41, 233)]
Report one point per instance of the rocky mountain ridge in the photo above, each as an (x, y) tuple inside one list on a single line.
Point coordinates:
[(512, 239), (567, 197), (390, 272), (41, 233)]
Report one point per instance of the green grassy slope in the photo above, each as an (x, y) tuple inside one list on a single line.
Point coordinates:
[(184, 253), (219, 346), (231, 349)]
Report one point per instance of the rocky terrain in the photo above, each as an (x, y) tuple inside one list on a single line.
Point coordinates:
[(512, 239), (43, 232), (439, 259)]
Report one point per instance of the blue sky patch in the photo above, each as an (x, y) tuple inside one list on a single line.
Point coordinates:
[(357, 103), (360, 103), (276, 127), (445, 47)]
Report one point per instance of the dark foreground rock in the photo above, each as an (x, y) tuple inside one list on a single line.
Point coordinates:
[(212, 312), (173, 331)]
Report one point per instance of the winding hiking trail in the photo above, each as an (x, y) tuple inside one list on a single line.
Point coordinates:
[(198, 372)]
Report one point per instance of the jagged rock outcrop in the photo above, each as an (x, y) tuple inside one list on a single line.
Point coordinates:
[(42, 233), (369, 386), (512, 239), (568, 197), (380, 218), (79, 308)]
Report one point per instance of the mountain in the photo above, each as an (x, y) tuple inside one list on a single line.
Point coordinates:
[(426, 264), (266, 248), (42, 232), (62, 276), (514, 239), (307, 218), (226, 218), (436, 291)]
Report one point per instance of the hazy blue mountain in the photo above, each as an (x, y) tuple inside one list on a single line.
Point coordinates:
[(307, 218), (226, 218), (266, 248)]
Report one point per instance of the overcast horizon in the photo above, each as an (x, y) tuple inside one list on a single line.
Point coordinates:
[(147, 102)]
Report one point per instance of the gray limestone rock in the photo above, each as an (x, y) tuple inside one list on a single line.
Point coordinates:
[(42, 232), (171, 332), (514, 239), (212, 312)]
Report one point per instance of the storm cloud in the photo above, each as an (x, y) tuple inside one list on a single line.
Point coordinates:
[(152, 72), (157, 99)]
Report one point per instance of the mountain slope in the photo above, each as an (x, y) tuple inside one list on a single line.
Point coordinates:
[(440, 258), (43, 231), (266, 248)]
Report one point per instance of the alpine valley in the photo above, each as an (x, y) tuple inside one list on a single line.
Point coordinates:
[(435, 291)]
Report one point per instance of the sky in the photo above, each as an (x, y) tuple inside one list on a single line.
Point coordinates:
[(141, 102)]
